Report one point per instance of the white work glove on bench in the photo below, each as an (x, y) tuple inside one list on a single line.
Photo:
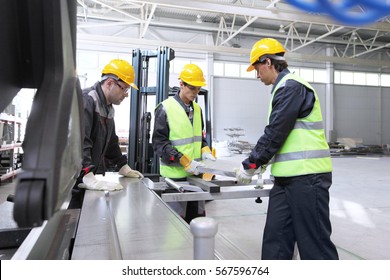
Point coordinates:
[(91, 183), (128, 172)]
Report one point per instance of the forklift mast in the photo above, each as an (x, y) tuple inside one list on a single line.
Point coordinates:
[(140, 153)]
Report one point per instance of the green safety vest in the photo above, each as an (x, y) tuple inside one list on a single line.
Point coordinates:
[(305, 150), (184, 136)]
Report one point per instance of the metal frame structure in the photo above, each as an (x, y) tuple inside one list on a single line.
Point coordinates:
[(229, 23)]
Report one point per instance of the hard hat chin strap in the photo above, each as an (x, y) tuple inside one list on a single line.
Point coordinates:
[(106, 76), (272, 56)]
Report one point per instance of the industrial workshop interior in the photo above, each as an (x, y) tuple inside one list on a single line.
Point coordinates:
[(52, 50)]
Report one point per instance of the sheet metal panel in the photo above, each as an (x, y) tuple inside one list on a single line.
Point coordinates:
[(146, 227)]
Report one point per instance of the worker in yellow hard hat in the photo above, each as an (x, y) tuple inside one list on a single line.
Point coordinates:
[(294, 139), (178, 138), (101, 143)]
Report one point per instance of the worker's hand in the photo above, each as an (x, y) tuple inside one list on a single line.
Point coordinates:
[(91, 183), (190, 166), (244, 176), (206, 154), (261, 169), (128, 172)]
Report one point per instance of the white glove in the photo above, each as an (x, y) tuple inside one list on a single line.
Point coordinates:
[(192, 167), (206, 154), (128, 172), (91, 183), (244, 176)]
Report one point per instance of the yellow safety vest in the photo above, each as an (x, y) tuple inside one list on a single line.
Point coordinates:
[(305, 150), (184, 136)]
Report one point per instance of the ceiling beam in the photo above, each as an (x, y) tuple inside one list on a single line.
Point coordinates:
[(146, 24), (288, 13), (239, 30), (95, 41)]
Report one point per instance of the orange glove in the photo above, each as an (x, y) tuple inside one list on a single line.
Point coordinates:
[(190, 166), (207, 154)]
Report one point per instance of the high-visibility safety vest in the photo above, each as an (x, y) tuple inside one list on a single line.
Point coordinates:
[(184, 136), (305, 150)]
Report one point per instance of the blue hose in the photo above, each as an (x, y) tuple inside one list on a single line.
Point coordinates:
[(373, 9)]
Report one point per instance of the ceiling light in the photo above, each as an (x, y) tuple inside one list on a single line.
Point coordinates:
[(281, 29), (353, 36), (199, 19)]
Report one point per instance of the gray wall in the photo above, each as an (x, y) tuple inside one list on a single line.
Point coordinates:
[(240, 103), (244, 103), (361, 112)]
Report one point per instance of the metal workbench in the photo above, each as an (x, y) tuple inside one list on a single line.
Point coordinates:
[(135, 223), (136, 220)]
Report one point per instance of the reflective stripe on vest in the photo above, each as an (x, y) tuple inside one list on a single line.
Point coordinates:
[(184, 136), (305, 150)]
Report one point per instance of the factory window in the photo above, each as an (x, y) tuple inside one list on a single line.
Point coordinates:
[(319, 76), (232, 70), (307, 74), (86, 59), (346, 78), (178, 65), (218, 68), (360, 78), (238, 70), (244, 73), (372, 79), (385, 80)]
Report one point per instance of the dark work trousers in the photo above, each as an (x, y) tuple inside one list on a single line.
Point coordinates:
[(298, 212)]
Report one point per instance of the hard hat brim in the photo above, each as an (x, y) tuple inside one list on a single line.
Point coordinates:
[(134, 86), (250, 68)]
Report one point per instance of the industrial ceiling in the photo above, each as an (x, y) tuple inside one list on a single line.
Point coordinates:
[(232, 26)]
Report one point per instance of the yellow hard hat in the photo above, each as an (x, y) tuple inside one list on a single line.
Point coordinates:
[(192, 75), (122, 69), (262, 47)]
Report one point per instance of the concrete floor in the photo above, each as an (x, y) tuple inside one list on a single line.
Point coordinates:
[(360, 211)]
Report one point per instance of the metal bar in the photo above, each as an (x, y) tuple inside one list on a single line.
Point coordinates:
[(216, 171), (132, 150), (173, 184), (225, 193), (204, 185)]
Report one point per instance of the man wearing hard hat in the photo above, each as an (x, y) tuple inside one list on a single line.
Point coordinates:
[(178, 138), (100, 140), (294, 138)]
